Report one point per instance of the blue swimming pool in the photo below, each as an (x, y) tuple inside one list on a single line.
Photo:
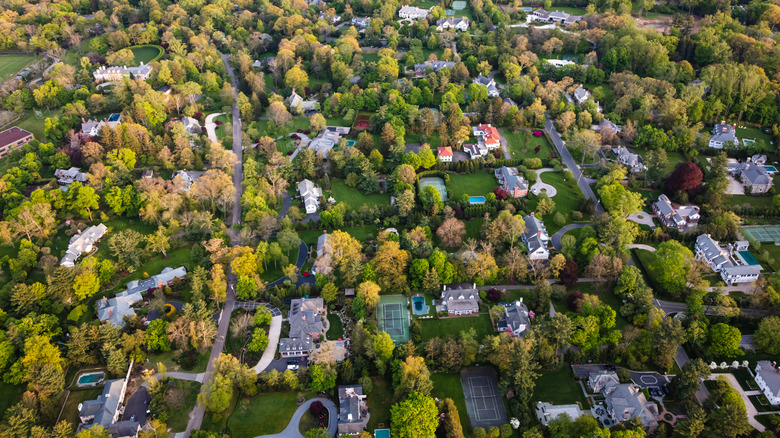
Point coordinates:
[(351, 143), (90, 379), (748, 258), (476, 199), (526, 9), (770, 168), (418, 306), (382, 433)]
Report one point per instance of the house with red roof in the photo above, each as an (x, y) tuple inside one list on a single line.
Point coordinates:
[(445, 154), (488, 136)]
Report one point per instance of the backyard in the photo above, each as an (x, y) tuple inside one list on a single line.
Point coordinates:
[(189, 391), (474, 184), (361, 233), (146, 53), (673, 158), (559, 387), (354, 198), (774, 255), (254, 418), (12, 64), (443, 327), (336, 330), (449, 386), (70, 412), (379, 400), (523, 145), (566, 200)]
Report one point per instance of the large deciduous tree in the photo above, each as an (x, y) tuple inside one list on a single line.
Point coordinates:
[(416, 416)]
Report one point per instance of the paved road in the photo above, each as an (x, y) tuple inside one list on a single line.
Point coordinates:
[(291, 431), (540, 185), (571, 164), (675, 307), (556, 238), (303, 254)]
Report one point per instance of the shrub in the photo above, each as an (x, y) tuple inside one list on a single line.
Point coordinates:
[(532, 163), (493, 295), (316, 408), (576, 215), (574, 300)]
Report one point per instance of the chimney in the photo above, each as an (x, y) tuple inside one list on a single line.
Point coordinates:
[(532, 214), (105, 301), (539, 233), (349, 417), (110, 313)]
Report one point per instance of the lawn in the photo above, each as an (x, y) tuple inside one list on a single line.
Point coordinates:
[(475, 184), (168, 359), (673, 158), (354, 198), (474, 228), (379, 400), (748, 201), (10, 65), (70, 412), (774, 255), (523, 144), (190, 391), (360, 233), (34, 124), (568, 10), (449, 386), (261, 127), (566, 200), (441, 328), (559, 387), (754, 133), (255, 418), (226, 129), (336, 330), (146, 54), (646, 259)]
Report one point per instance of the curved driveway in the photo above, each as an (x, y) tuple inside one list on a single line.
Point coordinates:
[(273, 341), (541, 185), (556, 238), (211, 127), (291, 431), (641, 246)]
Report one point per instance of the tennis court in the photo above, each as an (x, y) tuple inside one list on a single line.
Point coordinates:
[(459, 5), (483, 401), (435, 182), (393, 317), (764, 233)]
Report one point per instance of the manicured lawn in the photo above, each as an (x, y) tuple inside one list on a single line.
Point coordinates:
[(755, 134), (10, 65), (379, 401), (255, 418), (168, 358), (354, 198), (474, 228), (568, 10), (70, 412), (360, 233), (774, 254), (673, 158), (566, 199), (261, 127), (748, 201), (190, 390), (146, 54), (336, 330), (475, 184), (34, 124), (559, 387), (441, 328), (226, 129), (523, 145), (646, 259), (449, 386)]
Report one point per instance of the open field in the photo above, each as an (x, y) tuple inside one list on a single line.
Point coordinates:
[(255, 418), (523, 144), (354, 198), (10, 65), (475, 184), (146, 53), (559, 387), (440, 328)]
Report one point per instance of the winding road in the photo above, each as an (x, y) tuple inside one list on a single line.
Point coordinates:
[(291, 431)]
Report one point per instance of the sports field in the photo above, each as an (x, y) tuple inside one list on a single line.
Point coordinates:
[(10, 65), (763, 233), (393, 317), (435, 182), (483, 399)]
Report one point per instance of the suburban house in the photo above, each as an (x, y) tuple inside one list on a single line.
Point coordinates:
[(117, 74), (91, 127), (489, 83), (460, 301), (555, 17), (353, 410), (682, 217), (510, 180), (601, 379), (723, 133), (460, 24), (768, 380), (82, 243), (535, 237), (435, 66), (360, 22), (327, 139), (12, 138), (487, 136), (629, 159), (581, 95), (547, 411), (187, 178), (305, 316), (517, 319), (67, 177), (476, 150), (606, 124), (310, 195), (626, 401), (322, 264), (298, 105), (105, 409), (413, 12), (734, 262), (115, 309), (445, 154), (753, 175)]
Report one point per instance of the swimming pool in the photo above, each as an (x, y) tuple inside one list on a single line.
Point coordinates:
[(748, 258), (381, 433), (770, 168), (526, 9), (476, 199), (418, 306), (351, 143), (90, 379)]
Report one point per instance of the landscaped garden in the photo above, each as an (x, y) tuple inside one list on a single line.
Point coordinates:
[(524, 143), (336, 330), (567, 200), (146, 53), (474, 184), (443, 327)]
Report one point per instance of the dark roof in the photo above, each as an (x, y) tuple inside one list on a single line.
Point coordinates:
[(137, 405), (123, 429), (12, 135)]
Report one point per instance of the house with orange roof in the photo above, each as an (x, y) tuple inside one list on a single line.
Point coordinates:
[(445, 154), (488, 136)]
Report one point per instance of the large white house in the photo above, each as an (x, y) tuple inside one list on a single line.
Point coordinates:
[(734, 262), (117, 74), (460, 301), (768, 380), (723, 133), (460, 24), (535, 238), (413, 12), (555, 17), (82, 243), (310, 195)]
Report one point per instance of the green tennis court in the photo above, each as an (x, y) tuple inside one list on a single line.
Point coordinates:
[(393, 317), (459, 5), (764, 233), (435, 182)]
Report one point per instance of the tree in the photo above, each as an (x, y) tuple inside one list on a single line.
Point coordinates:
[(687, 382), (427, 159), (416, 416), (725, 340), (730, 419), (686, 177), (86, 284), (159, 241), (382, 346), (586, 142), (672, 264), (329, 292), (279, 114), (667, 338), (619, 201), (657, 161), (297, 79), (369, 291), (450, 426), (767, 336), (317, 122), (323, 378), (259, 340), (451, 232), (544, 205), (414, 377), (155, 337), (569, 274)]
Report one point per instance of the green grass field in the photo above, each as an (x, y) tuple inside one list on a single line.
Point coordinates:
[(146, 53), (754, 133), (566, 200), (774, 255), (441, 328), (336, 330), (190, 390), (748, 201), (10, 65), (568, 10), (226, 129), (70, 411), (522, 145), (559, 387), (167, 359), (475, 184), (449, 386), (34, 124), (354, 198), (673, 158), (255, 418), (360, 233), (379, 400), (9, 395)]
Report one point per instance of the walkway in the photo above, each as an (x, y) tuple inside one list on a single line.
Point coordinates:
[(751, 410), (641, 246), (504, 145), (540, 185), (273, 342), (556, 238), (211, 127), (291, 431), (571, 164)]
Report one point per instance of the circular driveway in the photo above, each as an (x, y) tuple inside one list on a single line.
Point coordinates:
[(540, 185)]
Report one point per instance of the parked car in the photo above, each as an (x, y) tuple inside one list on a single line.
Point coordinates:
[(293, 364)]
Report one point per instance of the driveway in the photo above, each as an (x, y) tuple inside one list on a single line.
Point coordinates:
[(735, 187), (751, 410), (641, 246), (281, 364), (642, 218), (211, 127), (649, 379), (291, 431), (556, 238), (303, 254), (540, 185), (273, 341), (747, 342)]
